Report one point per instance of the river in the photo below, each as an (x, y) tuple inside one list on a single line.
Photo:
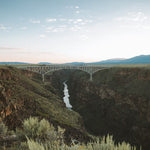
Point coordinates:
[(66, 96)]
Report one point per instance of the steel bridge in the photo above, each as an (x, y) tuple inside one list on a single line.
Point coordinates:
[(44, 69)]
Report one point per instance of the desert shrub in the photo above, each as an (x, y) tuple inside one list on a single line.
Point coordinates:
[(40, 131), (41, 135), (103, 144), (3, 129), (107, 143), (30, 127), (35, 145), (56, 145)]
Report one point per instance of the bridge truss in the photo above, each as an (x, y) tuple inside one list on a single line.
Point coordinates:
[(44, 69)]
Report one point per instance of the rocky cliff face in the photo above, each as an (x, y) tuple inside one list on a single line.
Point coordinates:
[(15, 101), (8, 107), (116, 102), (23, 94)]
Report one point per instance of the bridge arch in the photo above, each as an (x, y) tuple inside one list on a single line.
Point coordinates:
[(91, 78), (43, 70)]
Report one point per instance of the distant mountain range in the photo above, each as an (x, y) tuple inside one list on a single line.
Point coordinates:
[(13, 63), (45, 63), (142, 59), (76, 63)]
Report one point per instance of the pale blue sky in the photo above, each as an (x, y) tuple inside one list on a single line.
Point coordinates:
[(73, 30)]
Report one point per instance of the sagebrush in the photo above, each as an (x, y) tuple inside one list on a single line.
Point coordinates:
[(41, 135)]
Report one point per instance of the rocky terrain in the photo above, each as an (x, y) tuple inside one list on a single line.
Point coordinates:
[(23, 94), (117, 102)]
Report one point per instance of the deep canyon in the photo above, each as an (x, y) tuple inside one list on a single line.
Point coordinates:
[(116, 102)]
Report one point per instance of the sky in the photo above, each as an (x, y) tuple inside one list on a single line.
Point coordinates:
[(60, 31)]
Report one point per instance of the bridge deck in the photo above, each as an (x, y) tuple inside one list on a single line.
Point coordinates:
[(44, 69)]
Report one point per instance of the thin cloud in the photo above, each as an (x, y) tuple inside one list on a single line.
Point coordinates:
[(77, 7), (23, 28), (133, 17), (35, 21), (134, 20), (75, 28), (62, 19), (79, 20), (2, 27), (49, 29), (77, 12), (67, 24), (51, 20), (70, 20), (11, 50), (60, 28)]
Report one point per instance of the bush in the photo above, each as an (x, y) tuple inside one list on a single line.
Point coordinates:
[(3, 129), (104, 144), (30, 127), (41, 135), (40, 130), (34, 145), (107, 143)]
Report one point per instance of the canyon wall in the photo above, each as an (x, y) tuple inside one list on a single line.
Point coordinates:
[(23, 94), (116, 102)]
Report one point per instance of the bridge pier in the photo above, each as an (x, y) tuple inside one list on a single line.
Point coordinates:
[(91, 77), (43, 77)]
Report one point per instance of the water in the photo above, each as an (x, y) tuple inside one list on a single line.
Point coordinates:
[(66, 96)]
